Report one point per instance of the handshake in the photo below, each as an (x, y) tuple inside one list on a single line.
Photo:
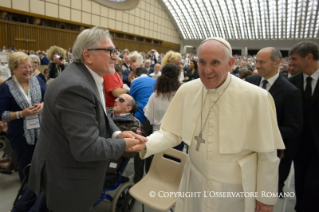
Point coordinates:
[(134, 142)]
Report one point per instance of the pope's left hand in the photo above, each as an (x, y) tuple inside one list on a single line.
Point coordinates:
[(38, 107), (260, 207), (130, 134)]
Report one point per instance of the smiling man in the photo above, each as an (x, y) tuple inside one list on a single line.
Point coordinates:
[(77, 137), (230, 149)]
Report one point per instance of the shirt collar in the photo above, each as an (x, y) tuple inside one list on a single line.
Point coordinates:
[(314, 76), (144, 75), (98, 79), (272, 79)]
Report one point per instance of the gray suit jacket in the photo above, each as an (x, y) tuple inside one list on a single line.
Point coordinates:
[(74, 146)]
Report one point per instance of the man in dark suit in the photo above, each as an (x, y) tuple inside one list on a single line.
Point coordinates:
[(304, 57), (288, 103), (77, 136)]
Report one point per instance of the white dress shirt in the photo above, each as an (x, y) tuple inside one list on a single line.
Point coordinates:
[(314, 81), (99, 84), (271, 81)]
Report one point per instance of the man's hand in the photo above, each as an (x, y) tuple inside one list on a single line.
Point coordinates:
[(130, 142), (260, 207), (137, 147), (130, 134)]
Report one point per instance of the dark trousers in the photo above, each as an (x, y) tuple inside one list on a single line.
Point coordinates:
[(307, 181), (284, 170), (23, 152)]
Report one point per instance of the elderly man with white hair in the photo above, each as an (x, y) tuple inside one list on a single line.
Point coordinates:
[(232, 163), (128, 74)]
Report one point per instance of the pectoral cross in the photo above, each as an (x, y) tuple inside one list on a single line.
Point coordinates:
[(199, 140)]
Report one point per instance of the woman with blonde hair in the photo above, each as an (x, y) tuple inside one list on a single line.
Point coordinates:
[(21, 104), (174, 58)]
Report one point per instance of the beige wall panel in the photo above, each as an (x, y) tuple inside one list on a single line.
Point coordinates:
[(76, 15), (86, 18), (131, 29), (119, 15), (142, 32), (142, 5), (76, 4), (147, 15), (95, 20), (138, 12), (119, 26), (66, 3), (152, 17), (96, 8), (20, 5), (147, 32), (37, 7), (104, 22), (125, 27), (5, 3), (142, 14), (132, 12), (87, 6), (111, 13), (51, 10), (125, 17), (137, 21), (53, 1), (131, 20), (104, 11), (64, 13), (147, 7), (142, 23), (111, 24), (137, 30)]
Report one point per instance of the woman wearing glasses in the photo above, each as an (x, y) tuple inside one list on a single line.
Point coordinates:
[(35, 63), (21, 104)]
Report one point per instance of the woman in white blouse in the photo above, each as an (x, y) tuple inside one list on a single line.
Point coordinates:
[(166, 86)]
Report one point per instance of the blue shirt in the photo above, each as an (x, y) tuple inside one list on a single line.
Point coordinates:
[(141, 90), (8, 103)]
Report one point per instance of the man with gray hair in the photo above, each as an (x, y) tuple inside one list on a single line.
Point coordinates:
[(232, 159), (128, 74), (77, 137)]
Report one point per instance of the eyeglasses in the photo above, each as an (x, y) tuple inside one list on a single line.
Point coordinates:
[(112, 51), (35, 62), (26, 67)]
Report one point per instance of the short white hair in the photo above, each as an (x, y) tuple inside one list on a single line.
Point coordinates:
[(134, 54), (34, 56), (87, 39)]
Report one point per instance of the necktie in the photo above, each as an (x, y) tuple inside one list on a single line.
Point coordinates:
[(308, 91), (264, 84)]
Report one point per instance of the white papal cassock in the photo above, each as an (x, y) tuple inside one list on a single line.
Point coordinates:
[(239, 154)]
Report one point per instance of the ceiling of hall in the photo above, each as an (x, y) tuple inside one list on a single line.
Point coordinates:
[(245, 19)]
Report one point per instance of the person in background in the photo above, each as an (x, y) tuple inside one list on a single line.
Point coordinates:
[(192, 71), (157, 71), (56, 55), (35, 63), (175, 59)]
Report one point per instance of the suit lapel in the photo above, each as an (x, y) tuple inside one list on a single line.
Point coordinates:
[(275, 88), (316, 92)]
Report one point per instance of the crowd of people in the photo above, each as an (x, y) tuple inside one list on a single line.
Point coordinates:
[(59, 118)]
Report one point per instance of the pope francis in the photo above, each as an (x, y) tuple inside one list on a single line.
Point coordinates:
[(232, 133)]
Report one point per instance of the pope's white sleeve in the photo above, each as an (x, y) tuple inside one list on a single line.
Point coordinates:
[(159, 141), (267, 177)]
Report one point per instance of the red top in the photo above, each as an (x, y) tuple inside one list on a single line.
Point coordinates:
[(111, 82)]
